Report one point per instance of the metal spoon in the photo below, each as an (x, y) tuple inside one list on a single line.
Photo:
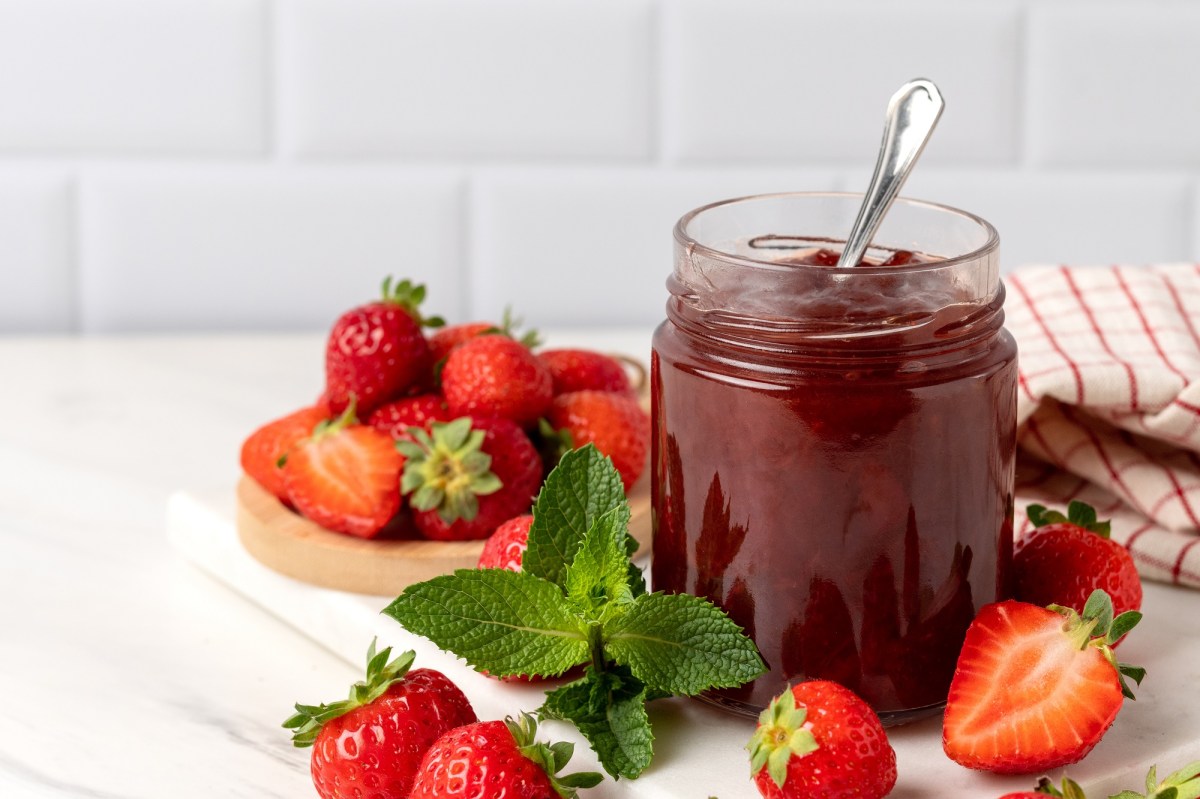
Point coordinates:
[(912, 114)]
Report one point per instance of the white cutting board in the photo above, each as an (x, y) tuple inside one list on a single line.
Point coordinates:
[(698, 749)]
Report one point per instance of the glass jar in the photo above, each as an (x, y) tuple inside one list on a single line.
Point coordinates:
[(833, 448)]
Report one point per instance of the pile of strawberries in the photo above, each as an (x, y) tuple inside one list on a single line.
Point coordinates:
[(443, 435), (1035, 688), (412, 734)]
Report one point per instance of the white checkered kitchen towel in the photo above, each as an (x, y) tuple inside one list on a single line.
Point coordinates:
[(1109, 403)]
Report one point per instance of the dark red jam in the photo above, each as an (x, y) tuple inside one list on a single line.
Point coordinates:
[(835, 470)]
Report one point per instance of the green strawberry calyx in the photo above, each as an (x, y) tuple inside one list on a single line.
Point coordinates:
[(1182, 784), (446, 469), (1069, 790), (551, 758), (782, 733), (382, 674), (1096, 627), (409, 296), (1079, 514)]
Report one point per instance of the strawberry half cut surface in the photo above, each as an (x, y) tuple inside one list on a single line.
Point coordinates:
[(1036, 688), (346, 477), (372, 743)]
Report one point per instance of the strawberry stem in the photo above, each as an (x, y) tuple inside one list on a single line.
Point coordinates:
[(307, 721)]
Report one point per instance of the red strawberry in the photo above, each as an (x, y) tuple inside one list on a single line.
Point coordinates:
[(498, 760), (262, 451), (615, 423), (505, 547), (373, 742), (1036, 688), (583, 370), (376, 352), (467, 476), (1070, 790), (395, 418), (494, 375), (346, 477), (819, 739), (449, 337), (1067, 557)]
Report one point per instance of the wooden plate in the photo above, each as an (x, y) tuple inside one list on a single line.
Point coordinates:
[(290, 544)]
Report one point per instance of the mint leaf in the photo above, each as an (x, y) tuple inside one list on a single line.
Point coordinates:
[(609, 709), (598, 577), (582, 488), (505, 622), (681, 644)]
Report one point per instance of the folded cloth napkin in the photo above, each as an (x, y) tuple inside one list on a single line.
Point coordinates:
[(1109, 403)]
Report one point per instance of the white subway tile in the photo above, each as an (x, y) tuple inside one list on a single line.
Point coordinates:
[(1114, 84), (132, 76), (262, 248), (35, 252), (592, 247), (757, 80), (523, 78), (1068, 217)]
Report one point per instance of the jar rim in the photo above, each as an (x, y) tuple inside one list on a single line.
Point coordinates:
[(681, 235)]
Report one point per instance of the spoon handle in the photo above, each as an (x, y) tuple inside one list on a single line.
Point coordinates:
[(912, 114)]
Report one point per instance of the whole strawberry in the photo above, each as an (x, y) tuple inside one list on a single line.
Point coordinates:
[(372, 743), (1036, 688), (615, 423), (819, 740), (584, 370), (345, 477), (377, 352), (451, 336), (265, 448), (498, 760), (1065, 558), (494, 375), (505, 547), (464, 478), (395, 418)]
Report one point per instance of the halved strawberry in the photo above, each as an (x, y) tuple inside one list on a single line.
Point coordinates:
[(263, 450), (1067, 557), (1036, 688), (346, 477)]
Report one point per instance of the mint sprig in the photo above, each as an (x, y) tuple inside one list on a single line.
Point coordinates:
[(581, 600)]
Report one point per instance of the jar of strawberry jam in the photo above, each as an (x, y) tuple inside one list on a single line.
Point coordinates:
[(833, 448)]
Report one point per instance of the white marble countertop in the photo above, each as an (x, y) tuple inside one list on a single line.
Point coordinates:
[(127, 672)]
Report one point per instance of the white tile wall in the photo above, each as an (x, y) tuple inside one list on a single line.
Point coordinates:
[(1115, 83), (262, 164), (260, 247), (37, 280), (1072, 218), (593, 246), (808, 82), (169, 76), (522, 78)]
